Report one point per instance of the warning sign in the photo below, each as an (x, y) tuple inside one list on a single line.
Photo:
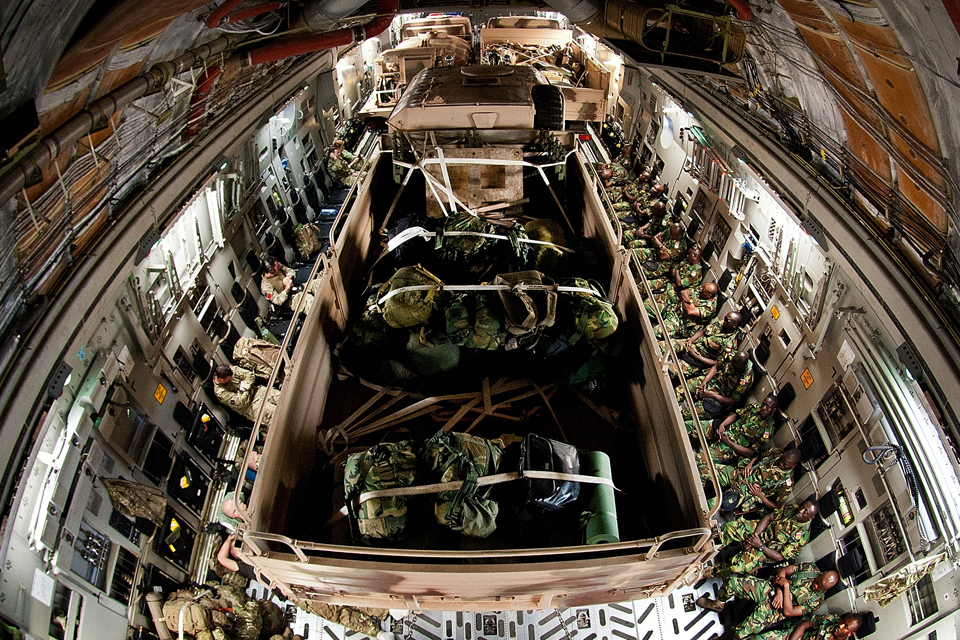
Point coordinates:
[(807, 378), (160, 393)]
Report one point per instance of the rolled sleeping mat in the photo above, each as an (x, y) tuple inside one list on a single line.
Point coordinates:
[(599, 520)]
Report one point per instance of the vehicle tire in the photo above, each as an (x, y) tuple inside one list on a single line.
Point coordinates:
[(548, 106)]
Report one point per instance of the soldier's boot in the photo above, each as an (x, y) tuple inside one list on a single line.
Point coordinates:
[(709, 604)]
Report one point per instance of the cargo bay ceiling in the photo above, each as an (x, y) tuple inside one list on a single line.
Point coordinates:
[(98, 97)]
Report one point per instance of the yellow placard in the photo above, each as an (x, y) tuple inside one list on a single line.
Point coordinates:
[(160, 393), (807, 378), (775, 312)]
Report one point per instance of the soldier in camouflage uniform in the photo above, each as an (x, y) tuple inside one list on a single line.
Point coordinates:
[(795, 591), (697, 307), (658, 220), (826, 626), (671, 239), (619, 175), (362, 619), (624, 199), (743, 433), (778, 536), (769, 474), (625, 159), (236, 388), (723, 386), (704, 348), (340, 164), (277, 285), (256, 355)]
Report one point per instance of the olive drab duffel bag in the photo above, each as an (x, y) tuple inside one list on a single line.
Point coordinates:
[(405, 309), (530, 305), (383, 466), (451, 456)]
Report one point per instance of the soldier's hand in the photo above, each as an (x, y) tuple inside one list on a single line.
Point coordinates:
[(755, 490), (754, 541), (778, 600)]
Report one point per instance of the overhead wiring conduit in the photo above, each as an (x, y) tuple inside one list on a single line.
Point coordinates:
[(285, 47), (29, 169)]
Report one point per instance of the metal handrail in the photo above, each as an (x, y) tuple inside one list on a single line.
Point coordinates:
[(687, 397), (367, 163), (650, 545), (282, 361)]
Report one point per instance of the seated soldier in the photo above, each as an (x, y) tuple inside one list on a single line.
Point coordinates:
[(625, 159), (623, 200), (231, 560), (795, 591), (776, 537), (228, 515), (658, 220), (278, 283), (768, 474), (342, 165), (237, 389), (698, 307), (722, 387), (671, 239), (703, 349), (742, 434), (688, 274), (690, 304), (827, 626), (666, 273)]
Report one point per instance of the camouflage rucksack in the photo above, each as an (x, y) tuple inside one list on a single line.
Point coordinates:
[(458, 456), (202, 614), (483, 332), (256, 355), (371, 330), (527, 312), (595, 316), (308, 237), (383, 466), (409, 308)]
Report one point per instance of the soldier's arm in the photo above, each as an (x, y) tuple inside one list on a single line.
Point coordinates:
[(271, 294), (764, 523), (790, 610), (742, 451), (223, 555), (245, 378), (799, 630)]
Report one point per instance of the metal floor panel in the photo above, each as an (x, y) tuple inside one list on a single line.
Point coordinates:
[(672, 617)]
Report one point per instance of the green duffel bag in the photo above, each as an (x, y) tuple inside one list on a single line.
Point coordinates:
[(479, 330), (595, 316), (451, 456), (383, 466), (409, 308)]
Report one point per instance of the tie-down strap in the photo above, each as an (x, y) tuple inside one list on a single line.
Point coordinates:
[(484, 481)]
